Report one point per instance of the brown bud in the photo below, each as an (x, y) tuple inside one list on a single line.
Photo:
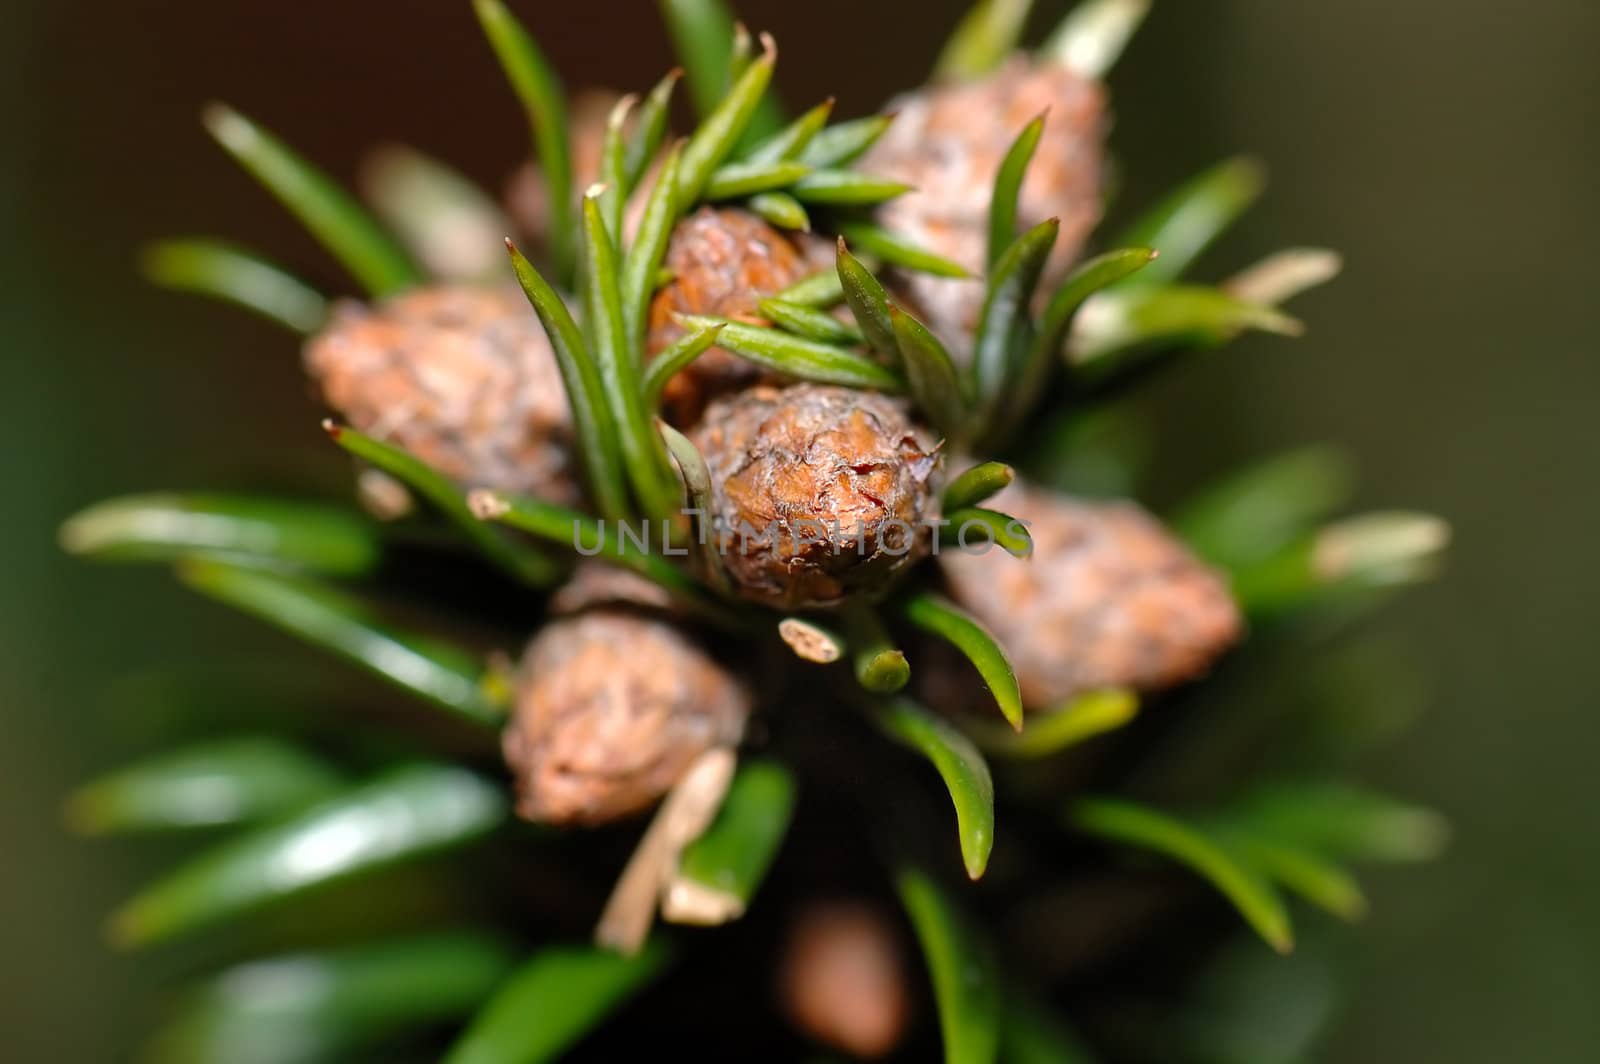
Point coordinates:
[(595, 584), (462, 377), (527, 194), (818, 492), (1108, 599), (723, 263), (948, 142), (842, 979), (612, 707)]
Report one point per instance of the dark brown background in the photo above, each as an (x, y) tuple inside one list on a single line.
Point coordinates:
[(1448, 146)]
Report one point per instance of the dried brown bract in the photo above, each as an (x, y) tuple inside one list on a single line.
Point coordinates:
[(819, 492)]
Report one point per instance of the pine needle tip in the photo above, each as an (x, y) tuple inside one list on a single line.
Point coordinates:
[(230, 128)]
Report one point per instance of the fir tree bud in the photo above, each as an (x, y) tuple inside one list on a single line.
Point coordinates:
[(842, 979), (723, 262), (1108, 599), (463, 377), (948, 142), (613, 706), (527, 194), (595, 584), (819, 493)]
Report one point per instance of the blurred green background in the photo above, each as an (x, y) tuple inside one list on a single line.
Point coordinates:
[(1447, 146)]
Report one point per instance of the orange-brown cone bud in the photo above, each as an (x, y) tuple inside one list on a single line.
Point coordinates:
[(595, 584), (527, 194), (842, 979), (820, 493), (612, 707), (462, 377), (723, 263), (1108, 599), (948, 142)]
